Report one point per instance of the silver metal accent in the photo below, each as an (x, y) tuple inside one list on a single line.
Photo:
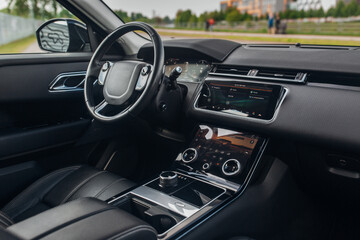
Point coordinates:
[(252, 76), (222, 114), (206, 166), (103, 72), (231, 173), (168, 177), (195, 156), (58, 84), (166, 201), (143, 77), (214, 180)]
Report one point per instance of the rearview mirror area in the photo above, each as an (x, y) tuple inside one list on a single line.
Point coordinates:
[(63, 35)]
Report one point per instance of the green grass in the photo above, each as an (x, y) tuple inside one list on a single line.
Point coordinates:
[(17, 46), (327, 28), (289, 40)]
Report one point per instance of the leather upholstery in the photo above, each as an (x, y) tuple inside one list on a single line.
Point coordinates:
[(5, 220), (60, 187), (84, 218)]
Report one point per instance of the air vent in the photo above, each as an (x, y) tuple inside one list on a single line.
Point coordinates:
[(282, 75), (260, 74), (236, 70)]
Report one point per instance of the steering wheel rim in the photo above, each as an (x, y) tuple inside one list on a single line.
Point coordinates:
[(153, 79)]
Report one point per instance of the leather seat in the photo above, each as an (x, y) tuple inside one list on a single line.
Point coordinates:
[(60, 187)]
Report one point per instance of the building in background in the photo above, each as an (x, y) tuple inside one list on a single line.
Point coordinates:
[(315, 4), (257, 7)]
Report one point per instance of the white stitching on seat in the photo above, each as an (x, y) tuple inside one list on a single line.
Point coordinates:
[(4, 216), (79, 186), (32, 186), (108, 186)]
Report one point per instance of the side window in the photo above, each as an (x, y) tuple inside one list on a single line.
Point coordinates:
[(40, 26)]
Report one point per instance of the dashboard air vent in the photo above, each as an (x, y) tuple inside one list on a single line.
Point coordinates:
[(260, 74), (225, 69)]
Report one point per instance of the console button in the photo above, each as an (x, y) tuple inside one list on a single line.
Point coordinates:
[(231, 167), (189, 155), (206, 166)]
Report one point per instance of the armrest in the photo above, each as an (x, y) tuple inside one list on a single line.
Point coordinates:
[(85, 218)]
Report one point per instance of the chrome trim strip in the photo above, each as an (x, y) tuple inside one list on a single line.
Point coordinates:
[(302, 80), (286, 92), (62, 88), (166, 201), (214, 180)]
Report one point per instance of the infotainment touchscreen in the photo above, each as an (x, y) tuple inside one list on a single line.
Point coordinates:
[(240, 98)]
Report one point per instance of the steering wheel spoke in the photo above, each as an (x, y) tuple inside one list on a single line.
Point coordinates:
[(101, 106)]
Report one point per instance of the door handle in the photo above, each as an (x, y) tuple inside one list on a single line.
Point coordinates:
[(69, 81)]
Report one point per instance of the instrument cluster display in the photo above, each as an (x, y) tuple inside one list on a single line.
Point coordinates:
[(192, 71)]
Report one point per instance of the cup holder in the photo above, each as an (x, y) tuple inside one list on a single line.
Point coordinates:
[(158, 217)]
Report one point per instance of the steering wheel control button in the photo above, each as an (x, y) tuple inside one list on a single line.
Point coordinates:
[(104, 71), (143, 77), (231, 167), (206, 166), (105, 67), (145, 70), (189, 155), (168, 179)]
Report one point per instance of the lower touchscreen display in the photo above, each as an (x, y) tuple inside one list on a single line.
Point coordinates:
[(240, 98)]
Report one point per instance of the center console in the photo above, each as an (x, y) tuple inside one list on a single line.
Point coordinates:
[(209, 174), (213, 170)]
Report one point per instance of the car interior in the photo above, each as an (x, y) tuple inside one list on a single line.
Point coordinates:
[(119, 134)]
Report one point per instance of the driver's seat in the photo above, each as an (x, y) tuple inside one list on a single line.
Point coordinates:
[(60, 187)]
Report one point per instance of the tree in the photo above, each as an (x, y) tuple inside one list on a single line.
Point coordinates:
[(352, 8), (183, 17), (122, 15), (193, 20), (340, 9), (40, 9), (233, 17)]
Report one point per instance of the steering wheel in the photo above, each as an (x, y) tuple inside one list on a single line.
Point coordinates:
[(128, 85)]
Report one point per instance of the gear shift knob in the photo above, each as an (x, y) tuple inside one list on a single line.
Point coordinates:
[(168, 179)]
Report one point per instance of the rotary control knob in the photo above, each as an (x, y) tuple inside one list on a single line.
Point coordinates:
[(168, 179), (231, 167), (189, 155)]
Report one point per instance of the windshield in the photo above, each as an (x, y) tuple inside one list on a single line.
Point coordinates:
[(321, 22)]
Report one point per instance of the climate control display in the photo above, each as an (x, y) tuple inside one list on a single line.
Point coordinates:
[(221, 151)]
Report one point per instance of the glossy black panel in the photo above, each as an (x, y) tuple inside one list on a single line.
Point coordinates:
[(240, 98), (215, 146)]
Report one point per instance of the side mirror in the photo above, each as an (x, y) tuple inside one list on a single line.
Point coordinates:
[(63, 35)]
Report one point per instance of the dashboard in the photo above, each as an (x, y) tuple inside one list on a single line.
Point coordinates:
[(192, 70), (316, 111)]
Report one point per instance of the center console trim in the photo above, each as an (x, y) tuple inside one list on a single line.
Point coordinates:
[(222, 114), (166, 201), (145, 193)]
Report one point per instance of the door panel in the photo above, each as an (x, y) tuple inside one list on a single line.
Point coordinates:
[(42, 130)]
